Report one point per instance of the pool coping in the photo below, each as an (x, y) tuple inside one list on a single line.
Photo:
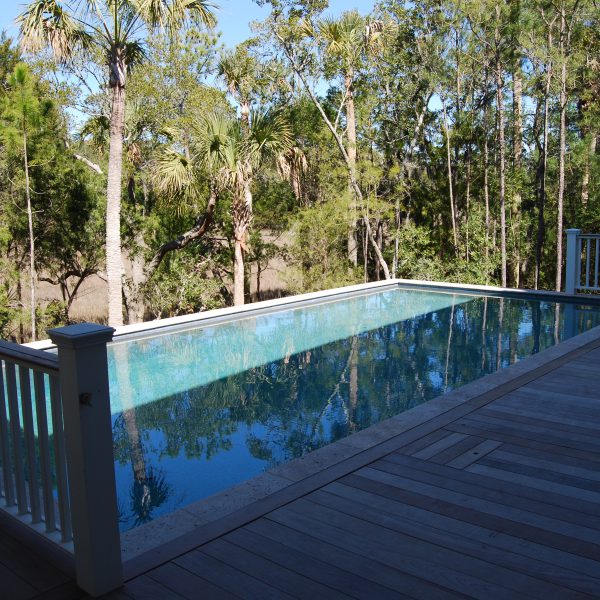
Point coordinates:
[(169, 536), (220, 315)]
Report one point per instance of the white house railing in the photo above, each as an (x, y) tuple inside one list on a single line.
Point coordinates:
[(29, 385), (56, 451), (583, 262)]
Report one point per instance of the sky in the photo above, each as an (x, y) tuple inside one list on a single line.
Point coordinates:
[(233, 16)]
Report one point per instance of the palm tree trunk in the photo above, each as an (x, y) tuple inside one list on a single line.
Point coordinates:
[(238, 274), (468, 202), (351, 135), (32, 273), (114, 265), (242, 216)]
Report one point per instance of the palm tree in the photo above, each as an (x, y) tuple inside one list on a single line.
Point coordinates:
[(344, 42), (344, 39), (231, 153), (115, 29), (238, 69)]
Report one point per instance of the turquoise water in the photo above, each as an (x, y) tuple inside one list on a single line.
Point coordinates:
[(200, 410)]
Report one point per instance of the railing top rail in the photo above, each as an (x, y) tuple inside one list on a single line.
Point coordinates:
[(28, 357), (592, 236)]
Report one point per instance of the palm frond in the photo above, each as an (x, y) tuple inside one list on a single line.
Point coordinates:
[(172, 14), (270, 134), (237, 69), (96, 131), (46, 23), (306, 28), (342, 36), (216, 140), (201, 9), (378, 33), (135, 53), (173, 173)]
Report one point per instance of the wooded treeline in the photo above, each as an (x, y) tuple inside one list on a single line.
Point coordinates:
[(450, 140)]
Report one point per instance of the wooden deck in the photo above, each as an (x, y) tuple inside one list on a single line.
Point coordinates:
[(498, 497)]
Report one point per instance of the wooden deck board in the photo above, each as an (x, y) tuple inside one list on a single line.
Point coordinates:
[(494, 497), (475, 548)]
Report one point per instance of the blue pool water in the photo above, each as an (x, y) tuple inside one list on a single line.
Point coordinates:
[(199, 410)]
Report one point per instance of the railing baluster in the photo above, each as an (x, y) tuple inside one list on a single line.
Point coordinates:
[(15, 426), (7, 467), (60, 460), (578, 272), (596, 263), (588, 247), (44, 446), (29, 435)]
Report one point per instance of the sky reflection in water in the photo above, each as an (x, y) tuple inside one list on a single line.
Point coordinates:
[(197, 411)]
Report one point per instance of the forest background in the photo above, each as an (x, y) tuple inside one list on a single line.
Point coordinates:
[(452, 140)]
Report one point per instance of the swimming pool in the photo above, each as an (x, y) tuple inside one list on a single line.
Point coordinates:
[(198, 410)]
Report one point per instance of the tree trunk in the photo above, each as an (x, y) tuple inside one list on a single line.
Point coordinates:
[(585, 179), (32, 273), (136, 308), (486, 182), (197, 231), (380, 244), (245, 114), (468, 201), (541, 229), (238, 274), (450, 187), (114, 265), (502, 170), (242, 217), (562, 152), (351, 135), (517, 166), (340, 144)]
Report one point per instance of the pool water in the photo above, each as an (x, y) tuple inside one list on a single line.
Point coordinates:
[(200, 410)]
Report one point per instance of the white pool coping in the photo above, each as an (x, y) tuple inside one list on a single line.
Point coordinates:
[(249, 310)]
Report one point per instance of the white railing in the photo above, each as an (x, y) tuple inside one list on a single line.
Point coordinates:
[(56, 449), (29, 385), (583, 262)]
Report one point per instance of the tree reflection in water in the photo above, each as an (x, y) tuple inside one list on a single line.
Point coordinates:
[(149, 489), (192, 444)]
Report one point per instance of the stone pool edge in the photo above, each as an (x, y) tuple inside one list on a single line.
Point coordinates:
[(218, 315), (163, 539)]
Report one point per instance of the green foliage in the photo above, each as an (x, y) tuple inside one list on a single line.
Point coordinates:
[(318, 253), (204, 122), (417, 253), (180, 287)]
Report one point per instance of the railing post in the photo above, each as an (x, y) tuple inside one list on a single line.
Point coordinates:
[(83, 368), (572, 266)]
